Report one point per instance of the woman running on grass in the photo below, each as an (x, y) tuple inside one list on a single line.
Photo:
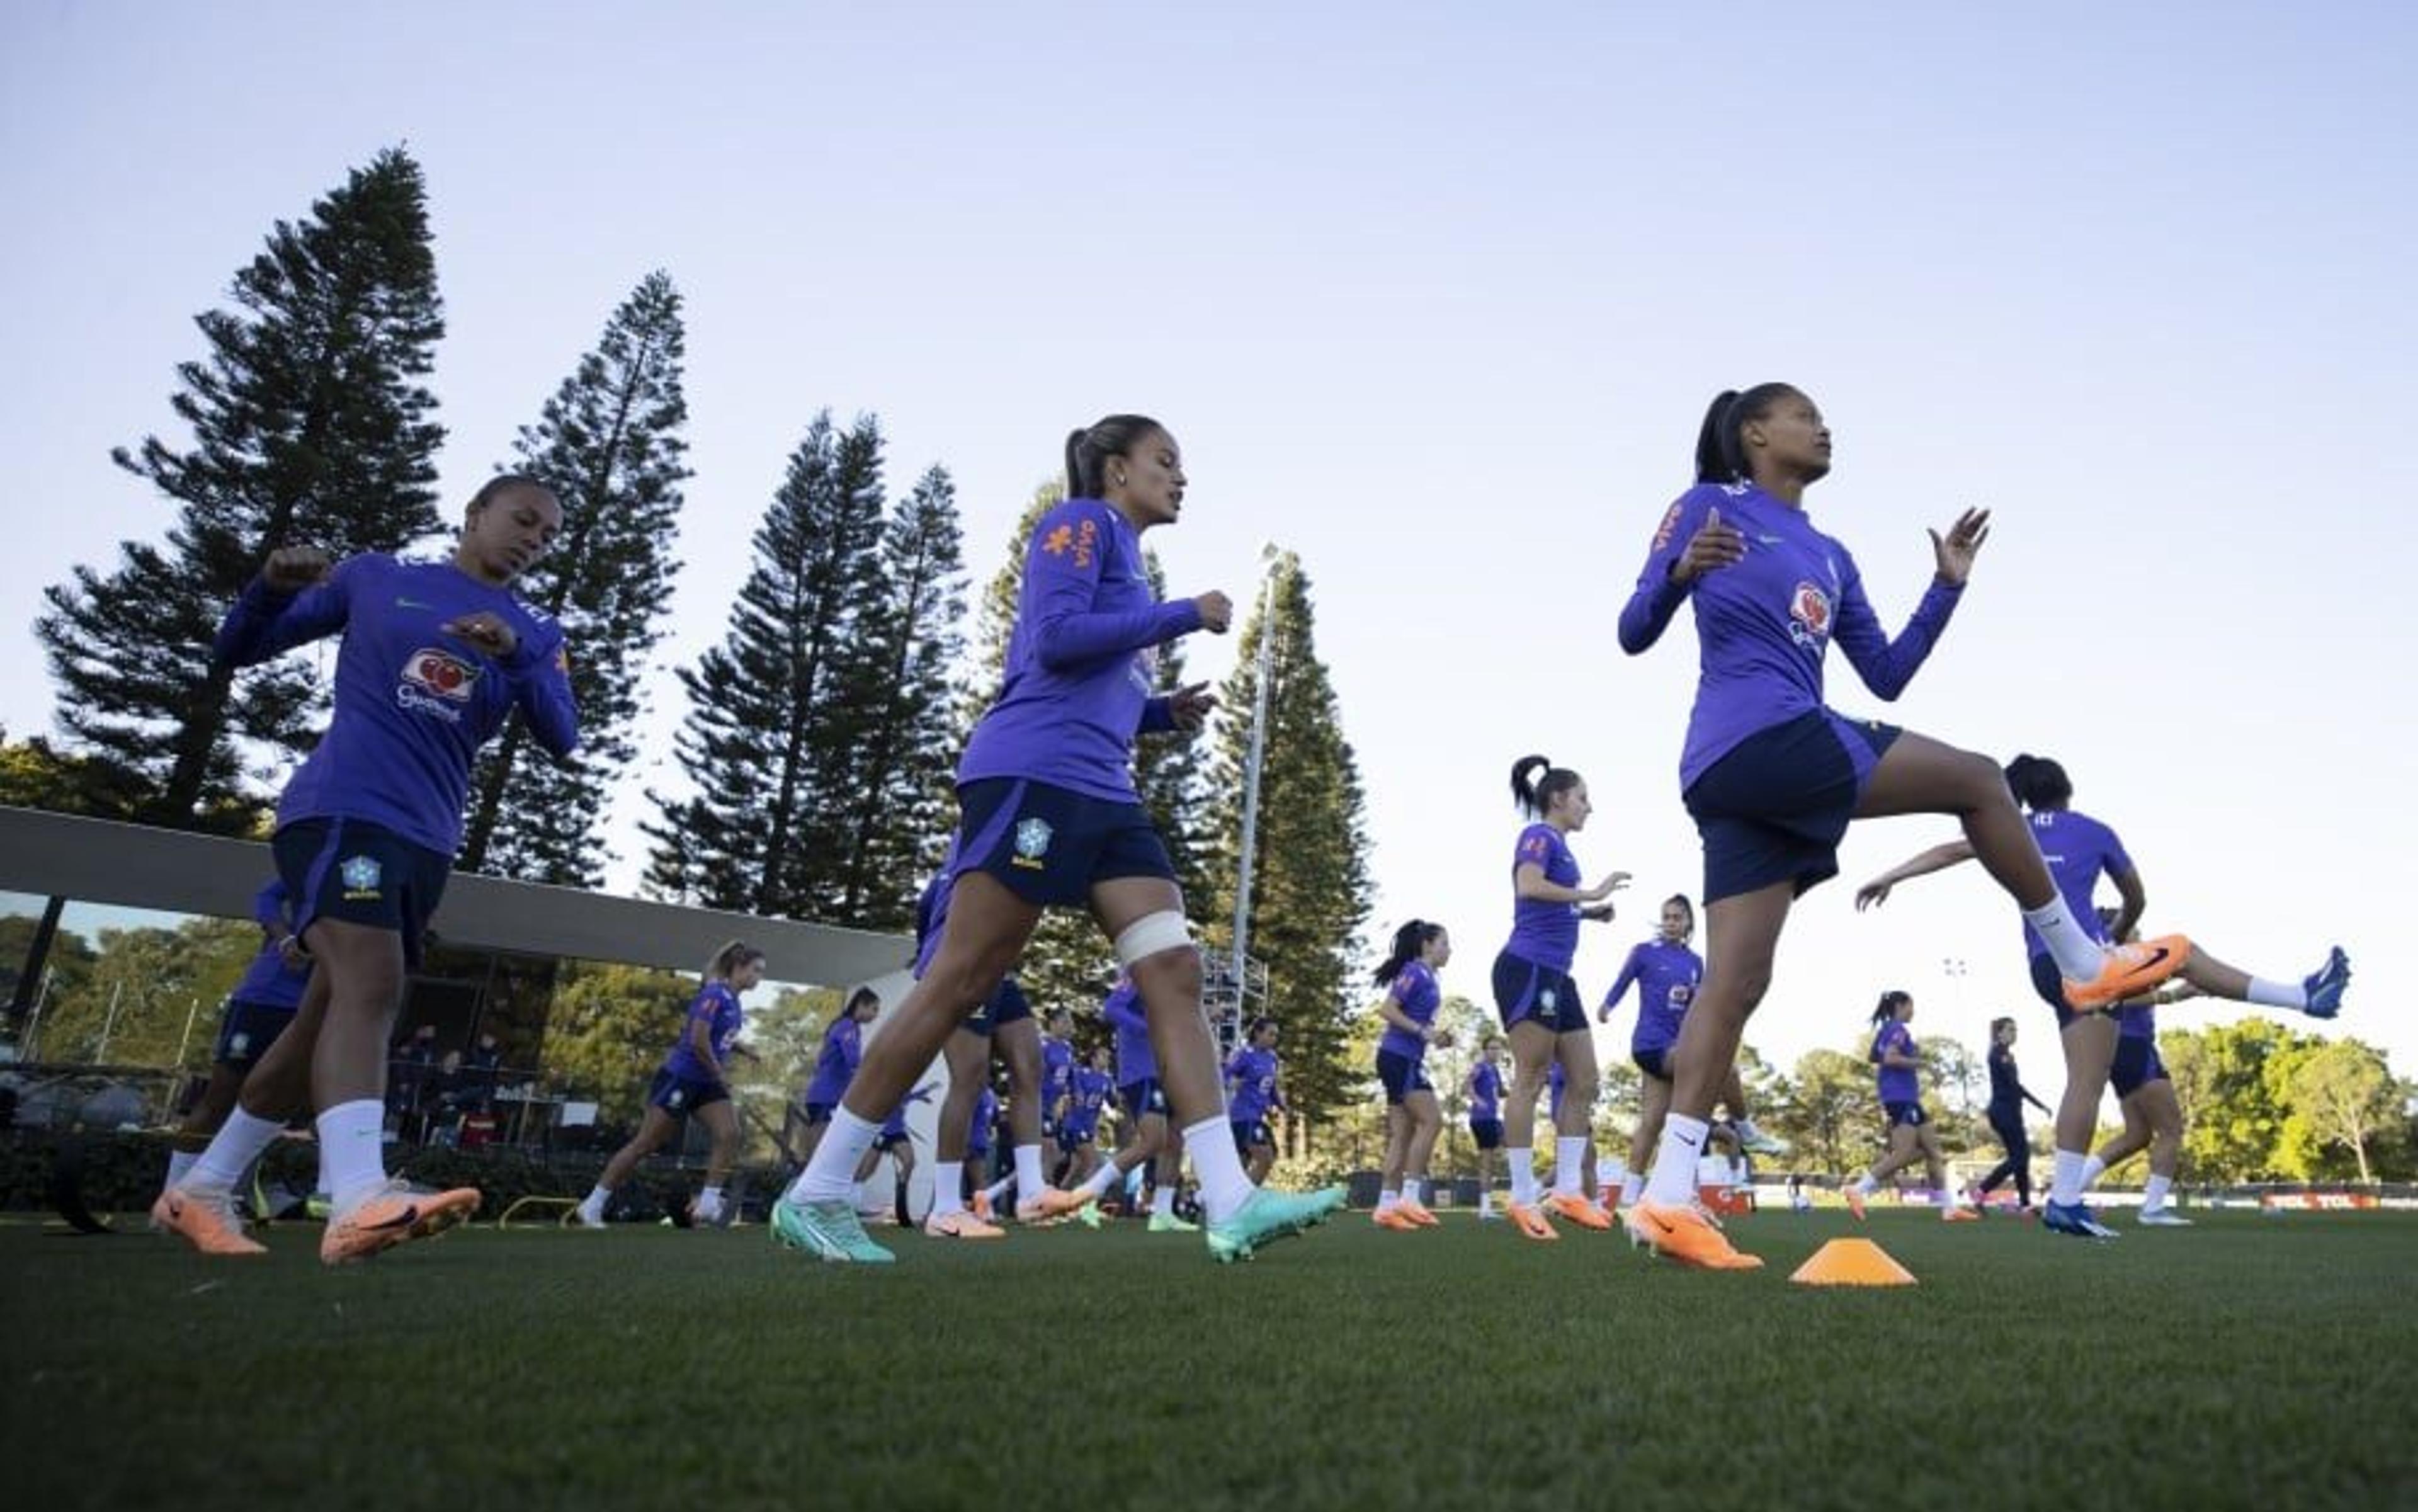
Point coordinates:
[(1049, 815), (1255, 1088), (2080, 850), (1772, 777), (693, 1081), (2006, 1099), (1485, 1092), (835, 1062), (1911, 1137), (435, 656), (1413, 1116), (1542, 1013)]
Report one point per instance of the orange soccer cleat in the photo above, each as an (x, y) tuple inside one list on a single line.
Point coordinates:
[(1529, 1221), (1686, 1236), (1418, 1212), (391, 1216), (204, 1219), (2129, 971), (961, 1224), (1394, 1218), (1571, 1208)]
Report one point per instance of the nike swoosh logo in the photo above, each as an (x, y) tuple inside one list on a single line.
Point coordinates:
[(2155, 959), (412, 604), (403, 1220)]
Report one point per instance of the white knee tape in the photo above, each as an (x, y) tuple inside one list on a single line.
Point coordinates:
[(1152, 933)]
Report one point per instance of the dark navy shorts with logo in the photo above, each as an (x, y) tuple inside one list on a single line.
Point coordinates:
[(1524, 989), (1049, 845), (1655, 1063), (1004, 1006), (360, 873), (1073, 1134), (1909, 1114), (1252, 1134), (681, 1095), (1775, 807), (1488, 1132), (248, 1028), (2137, 1064), (1401, 1076), (1141, 1098)]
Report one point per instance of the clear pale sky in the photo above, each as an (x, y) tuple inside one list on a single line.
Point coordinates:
[(1435, 297)]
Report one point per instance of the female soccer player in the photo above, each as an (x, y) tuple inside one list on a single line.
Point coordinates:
[(836, 1063), (2153, 1118), (1910, 1134), (1485, 1090), (1539, 1005), (255, 1013), (1667, 974), (1080, 1127), (2006, 1099), (1772, 777), (1413, 1116), (1049, 815), (1057, 1082), (2080, 850), (693, 1082), (1253, 1088), (435, 656)]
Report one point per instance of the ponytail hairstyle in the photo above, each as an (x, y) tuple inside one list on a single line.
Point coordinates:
[(729, 958), (1891, 1002), (857, 998), (1409, 941), (1720, 455), (1534, 794), (1688, 903), (2038, 782), (1088, 451)]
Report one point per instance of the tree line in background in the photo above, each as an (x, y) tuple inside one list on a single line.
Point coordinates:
[(815, 756)]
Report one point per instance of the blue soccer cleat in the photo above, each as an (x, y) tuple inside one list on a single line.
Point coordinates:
[(1266, 1216), (2073, 1218), (2325, 986), (828, 1231)]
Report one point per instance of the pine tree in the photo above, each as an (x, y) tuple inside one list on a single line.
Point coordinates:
[(1168, 776), (895, 821), (310, 425), (609, 444), (768, 733), (1309, 888)]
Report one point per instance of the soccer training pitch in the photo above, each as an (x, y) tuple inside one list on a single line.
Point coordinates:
[(2247, 1362)]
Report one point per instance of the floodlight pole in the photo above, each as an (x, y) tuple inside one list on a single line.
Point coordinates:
[(1242, 946)]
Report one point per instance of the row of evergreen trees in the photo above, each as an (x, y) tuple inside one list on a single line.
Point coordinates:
[(821, 733)]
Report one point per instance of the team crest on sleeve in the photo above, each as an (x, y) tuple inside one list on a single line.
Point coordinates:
[(1809, 616), (361, 876), (1032, 842)]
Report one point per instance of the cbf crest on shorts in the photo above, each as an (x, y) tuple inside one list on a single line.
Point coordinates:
[(361, 876), (1032, 842)]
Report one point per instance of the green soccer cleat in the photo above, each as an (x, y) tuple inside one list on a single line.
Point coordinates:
[(1266, 1216), (1089, 1215), (1168, 1223), (828, 1231)]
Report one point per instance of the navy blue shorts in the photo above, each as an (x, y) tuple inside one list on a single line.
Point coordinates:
[(2050, 983), (681, 1095), (1539, 994), (818, 1113), (360, 873), (1048, 845), (1488, 1132), (1655, 1063), (1004, 1006), (2137, 1064), (1775, 807), (1252, 1134), (1139, 1099), (886, 1140), (1401, 1076), (1907, 1114), (1074, 1135), (248, 1028)]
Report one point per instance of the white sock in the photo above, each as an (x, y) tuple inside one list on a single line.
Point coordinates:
[(948, 1189), (597, 1197), (1386, 1198), (239, 1142), (1524, 1178), (1865, 1185), (1162, 1202), (1674, 1181), (1746, 1129), (709, 1202), (2154, 1199), (1415, 1189), (1029, 1183), (997, 1191), (1098, 1183), (2278, 993), (179, 1162), (1485, 1200), (2065, 1187), (2093, 1169), (2078, 957), (1224, 1187), (352, 1150), (1570, 1164), (1629, 1183), (831, 1175)]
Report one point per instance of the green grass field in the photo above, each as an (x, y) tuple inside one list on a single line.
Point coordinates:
[(2247, 1361)]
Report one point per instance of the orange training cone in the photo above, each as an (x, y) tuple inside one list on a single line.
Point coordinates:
[(1852, 1262)]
